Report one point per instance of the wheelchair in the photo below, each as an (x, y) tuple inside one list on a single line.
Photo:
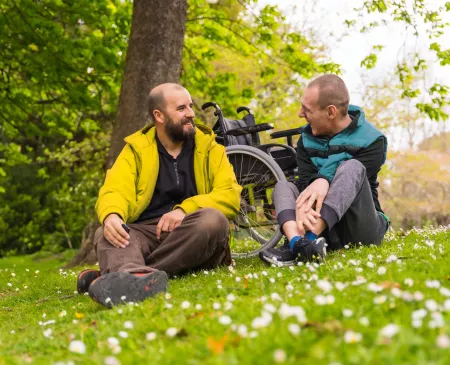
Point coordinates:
[(258, 167)]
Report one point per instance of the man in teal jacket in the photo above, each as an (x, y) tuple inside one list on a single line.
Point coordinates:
[(335, 199)]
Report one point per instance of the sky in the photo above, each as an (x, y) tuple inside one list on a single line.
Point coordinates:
[(326, 18)]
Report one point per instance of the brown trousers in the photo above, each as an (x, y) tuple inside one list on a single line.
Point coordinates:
[(200, 242)]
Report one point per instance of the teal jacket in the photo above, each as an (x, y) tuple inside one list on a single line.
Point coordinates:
[(319, 157)]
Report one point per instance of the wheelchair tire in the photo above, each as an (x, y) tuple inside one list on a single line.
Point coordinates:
[(255, 228)]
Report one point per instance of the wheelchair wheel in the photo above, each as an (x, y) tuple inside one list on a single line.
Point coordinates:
[(255, 228)]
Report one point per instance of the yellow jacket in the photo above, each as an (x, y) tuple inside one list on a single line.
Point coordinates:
[(130, 183)]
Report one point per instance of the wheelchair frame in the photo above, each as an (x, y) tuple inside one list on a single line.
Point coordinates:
[(260, 167)]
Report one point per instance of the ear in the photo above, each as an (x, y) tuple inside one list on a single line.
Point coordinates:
[(158, 115), (332, 111)]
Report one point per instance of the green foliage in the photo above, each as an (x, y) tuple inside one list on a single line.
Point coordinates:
[(60, 70), (414, 15), (61, 65)]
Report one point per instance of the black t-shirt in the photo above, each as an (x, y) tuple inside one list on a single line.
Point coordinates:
[(175, 183)]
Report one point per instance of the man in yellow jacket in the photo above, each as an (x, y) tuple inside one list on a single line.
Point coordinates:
[(164, 206)]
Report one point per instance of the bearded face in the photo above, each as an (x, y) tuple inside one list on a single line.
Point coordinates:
[(179, 131)]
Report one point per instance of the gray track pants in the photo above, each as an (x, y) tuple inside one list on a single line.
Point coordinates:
[(348, 208)]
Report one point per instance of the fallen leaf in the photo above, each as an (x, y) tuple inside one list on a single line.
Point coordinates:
[(218, 346), (389, 285)]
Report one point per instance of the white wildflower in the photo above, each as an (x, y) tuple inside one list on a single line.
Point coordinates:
[(324, 285), (431, 305), (437, 320), (286, 311), (242, 330), (364, 321), (225, 320), (340, 286), (447, 305), (352, 337), (269, 308), (396, 292), (279, 356), (216, 306), (48, 333), (409, 282), (443, 341), (77, 347), (198, 307), (275, 296), (150, 336), (432, 284), (231, 297), (391, 258), (374, 287), (419, 314), (111, 360), (294, 328), (347, 312), (171, 331), (263, 321), (418, 296), (381, 270), (389, 331), (123, 334), (128, 325), (380, 299), (185, 304)]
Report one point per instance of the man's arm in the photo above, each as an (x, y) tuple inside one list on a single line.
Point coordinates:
[(225, 195), (306, 168), (118, 193), (372, 157)]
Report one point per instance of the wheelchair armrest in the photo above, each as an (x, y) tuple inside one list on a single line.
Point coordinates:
[(286, 133), (250, 129)]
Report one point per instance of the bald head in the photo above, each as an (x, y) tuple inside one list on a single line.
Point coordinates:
[(332, 91), (157, 99)]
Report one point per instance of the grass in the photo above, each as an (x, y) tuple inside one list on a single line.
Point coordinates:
[(346, 330)]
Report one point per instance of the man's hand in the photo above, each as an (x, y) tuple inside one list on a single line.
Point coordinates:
[(170, 221), (315, 193), (114, 232), (306, 219)]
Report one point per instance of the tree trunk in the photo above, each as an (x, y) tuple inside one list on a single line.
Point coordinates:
[(154, 55)]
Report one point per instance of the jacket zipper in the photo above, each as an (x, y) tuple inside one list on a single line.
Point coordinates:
[(175, 165)]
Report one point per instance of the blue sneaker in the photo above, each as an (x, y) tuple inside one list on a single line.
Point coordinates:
[(303, 250), (281, 256), (307, 250)]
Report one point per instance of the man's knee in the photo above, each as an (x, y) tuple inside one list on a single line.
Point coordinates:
[(284, 191), (99, 237), (352, 166), (212, 221)]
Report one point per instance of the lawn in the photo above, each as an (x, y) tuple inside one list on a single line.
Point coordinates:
[(367, 305)]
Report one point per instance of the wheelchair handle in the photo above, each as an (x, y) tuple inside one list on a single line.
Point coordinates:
[(243, 108), (210, 104)]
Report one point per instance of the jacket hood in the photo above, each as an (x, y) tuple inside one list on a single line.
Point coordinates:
[(145, 137)]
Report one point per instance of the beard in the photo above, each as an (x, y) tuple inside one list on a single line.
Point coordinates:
[(176, 131)]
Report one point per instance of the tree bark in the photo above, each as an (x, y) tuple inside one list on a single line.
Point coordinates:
[(154, 55)]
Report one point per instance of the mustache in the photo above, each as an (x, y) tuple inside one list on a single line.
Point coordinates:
[(188, 121)]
